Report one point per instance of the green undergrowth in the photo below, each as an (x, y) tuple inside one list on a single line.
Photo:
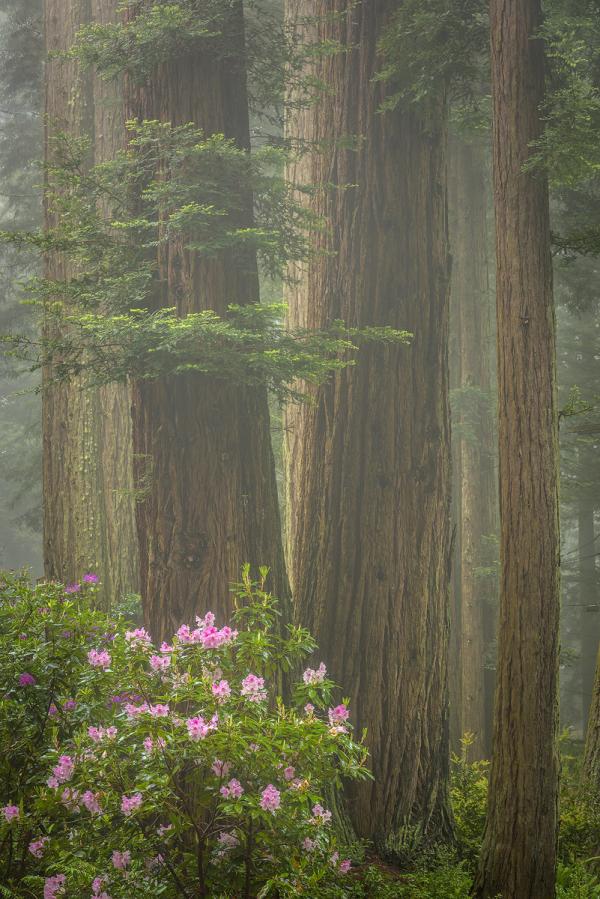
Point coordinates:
[(439, 872)]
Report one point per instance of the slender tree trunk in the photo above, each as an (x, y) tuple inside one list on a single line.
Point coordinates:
[(588, 603), (87, 465), (120, 537), (204, 460), (368, 465), (457, 729), (591, 759), (519, 851), (476, 488)]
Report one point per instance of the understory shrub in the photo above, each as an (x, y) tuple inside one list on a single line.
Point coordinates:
[(130, 770), (134, 770)]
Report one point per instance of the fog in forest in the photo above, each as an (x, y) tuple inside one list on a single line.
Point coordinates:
[(299, 449)]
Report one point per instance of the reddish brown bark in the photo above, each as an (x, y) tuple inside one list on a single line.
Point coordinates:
[(475, 478), (87, 450), (205, 468), (368, 463), (519, 851)]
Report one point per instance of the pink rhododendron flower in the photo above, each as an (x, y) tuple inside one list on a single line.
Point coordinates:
[(133, 711), (338, 715), (26, 679), (206, 633), (99, 658), (54, 886), (289, 773), (221, 690), (309, 708), (228, 634), (52, 710), (159, 663), (72, 588), (270, 799), (64, 770), (159, 710), (138, 637), (120, 860), (69, 705), (233, 790), (163, 829), (97, 891), (90, 578), (312, 677), (150, 745), (11, 812), (308, 844), (198, 728), (321, 815), (345, 866), (130, 803), (184, 634), (90, 800), (210, 637), (208, 620), (36, 847), (98, 734), (338, 729), (221, 769), (166, 647), (253, 688)]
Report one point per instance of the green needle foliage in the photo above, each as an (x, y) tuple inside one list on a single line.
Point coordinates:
[(266, 48), (175, 187), (434, 47), (250, 346)]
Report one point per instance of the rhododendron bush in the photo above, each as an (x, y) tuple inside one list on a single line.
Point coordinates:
[(131, 769)]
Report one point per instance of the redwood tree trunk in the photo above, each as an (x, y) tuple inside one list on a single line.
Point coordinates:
[(204, 461), (87, 451), (519, 851), (591, 759), (475, 484), (368, 466), (588, 602)]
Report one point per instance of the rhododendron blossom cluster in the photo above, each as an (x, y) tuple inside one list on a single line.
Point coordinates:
[(187, 748), (11, 812), (99, 659)]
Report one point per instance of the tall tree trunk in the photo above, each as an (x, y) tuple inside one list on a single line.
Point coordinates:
[(454, 368), (87, 451), (591, 758), (519, 850), (588, 602), (203, 449), (368, 465), (476, 487)]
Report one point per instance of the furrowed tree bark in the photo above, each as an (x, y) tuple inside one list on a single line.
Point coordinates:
[(204, 462), (591, 758), (368, 465), (518, 857), (588, 600), (87, 450), (475, 482)]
